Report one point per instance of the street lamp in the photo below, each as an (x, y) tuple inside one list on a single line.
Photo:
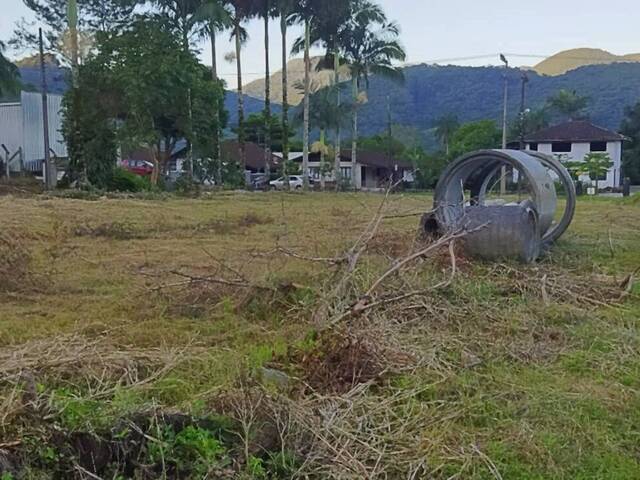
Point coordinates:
[(503, 171)]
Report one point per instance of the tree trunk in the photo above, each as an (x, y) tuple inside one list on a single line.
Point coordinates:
[(285, 102), (336, 69), (241, 145), (267, 97), (216, 113), (307, 93), (354, 133), (322, 165)]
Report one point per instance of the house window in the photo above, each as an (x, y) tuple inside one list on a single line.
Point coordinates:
[(598, 146), (533, 146), (345, 172), (561, 147)]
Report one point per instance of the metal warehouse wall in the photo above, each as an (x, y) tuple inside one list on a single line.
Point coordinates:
[(11, 129), (32, 131)]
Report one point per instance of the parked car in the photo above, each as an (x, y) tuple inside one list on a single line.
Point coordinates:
[(296, 182), (139, 167)]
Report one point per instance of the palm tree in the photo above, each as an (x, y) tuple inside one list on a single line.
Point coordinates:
[(446, 126), (242, 10), (568, 104), (215, 18), (325, 114), (326, 30), (370, 46), (266, 10), (304, 13), (286, 10)]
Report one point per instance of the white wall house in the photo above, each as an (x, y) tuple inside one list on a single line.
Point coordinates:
[(572, 141), (374, 170)]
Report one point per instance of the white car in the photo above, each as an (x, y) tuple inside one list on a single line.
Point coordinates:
[(295, 183)]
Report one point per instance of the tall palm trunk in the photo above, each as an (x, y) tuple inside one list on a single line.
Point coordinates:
[(322, 165), (216, 112), (354, 134), (336, 69), (307, 93), (285, 101), (241, 144), (267, 97)]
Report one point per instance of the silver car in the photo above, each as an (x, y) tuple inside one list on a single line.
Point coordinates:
[(295, 183)]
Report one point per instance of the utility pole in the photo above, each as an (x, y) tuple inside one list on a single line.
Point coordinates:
[(503, 170), (50, 169), (389, 133), (523, 120)]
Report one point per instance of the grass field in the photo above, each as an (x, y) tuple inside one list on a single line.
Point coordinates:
[(214, 338)]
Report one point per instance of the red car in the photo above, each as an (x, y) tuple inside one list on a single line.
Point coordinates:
[(139, 167)]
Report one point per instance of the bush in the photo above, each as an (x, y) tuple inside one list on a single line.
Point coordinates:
[(124, 181)]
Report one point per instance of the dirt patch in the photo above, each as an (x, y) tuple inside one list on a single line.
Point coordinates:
[(341, 361), (391, 244)]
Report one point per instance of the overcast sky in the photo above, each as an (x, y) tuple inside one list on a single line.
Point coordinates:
[(451, 31)]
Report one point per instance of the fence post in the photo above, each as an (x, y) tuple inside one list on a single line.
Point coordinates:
[(626, 187)]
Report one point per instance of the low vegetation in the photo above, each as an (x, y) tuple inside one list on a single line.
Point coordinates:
[(278, 336)]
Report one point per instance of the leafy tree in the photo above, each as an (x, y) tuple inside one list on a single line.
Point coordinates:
[(383, 144), (475, 136), (140, 77), (255, 131), (370, 46), (595, 164), (631, 152), (93, 16), (446, 126), (428, 167), (9, 76), (568, 104)]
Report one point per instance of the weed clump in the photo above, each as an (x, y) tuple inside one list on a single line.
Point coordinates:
[(15, 260), (113, 230)]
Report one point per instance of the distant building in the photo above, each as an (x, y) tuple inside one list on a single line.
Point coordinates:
[(22, 133), (572, 141), (374, 170)]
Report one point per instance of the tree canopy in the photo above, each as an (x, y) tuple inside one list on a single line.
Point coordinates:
[(475, 136), (631, 152), (9, 76), (140, 78)]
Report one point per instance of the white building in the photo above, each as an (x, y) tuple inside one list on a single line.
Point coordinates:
[(572, 141), (374, 170), (22, 132)]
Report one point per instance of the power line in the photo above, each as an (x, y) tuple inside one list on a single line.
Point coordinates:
[(617, 59)]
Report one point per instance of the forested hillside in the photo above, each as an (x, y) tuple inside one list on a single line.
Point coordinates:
[(471, 93)]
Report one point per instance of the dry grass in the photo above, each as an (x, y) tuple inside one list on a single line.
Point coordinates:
[(403, 360)]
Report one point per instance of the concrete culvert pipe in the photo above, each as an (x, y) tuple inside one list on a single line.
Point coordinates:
[(519, 230)]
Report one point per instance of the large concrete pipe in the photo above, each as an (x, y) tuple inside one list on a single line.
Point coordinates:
[(515, 231)]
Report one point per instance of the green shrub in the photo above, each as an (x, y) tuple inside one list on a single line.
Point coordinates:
[(124, 181)]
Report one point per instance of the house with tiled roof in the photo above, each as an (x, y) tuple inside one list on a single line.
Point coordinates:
[(572, 141)]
